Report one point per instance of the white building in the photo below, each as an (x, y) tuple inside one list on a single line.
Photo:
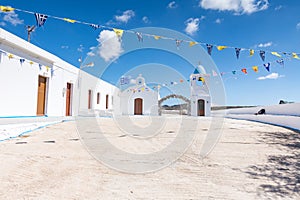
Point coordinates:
[(200, 97), (34, 82), (139, 99)]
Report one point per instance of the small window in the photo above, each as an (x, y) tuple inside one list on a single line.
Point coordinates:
[(107, 98), (98, 98), (90, 99)]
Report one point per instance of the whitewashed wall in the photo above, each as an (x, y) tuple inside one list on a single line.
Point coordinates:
[(19, 83)]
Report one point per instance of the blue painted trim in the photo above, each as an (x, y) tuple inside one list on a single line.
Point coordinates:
[(13, 117)]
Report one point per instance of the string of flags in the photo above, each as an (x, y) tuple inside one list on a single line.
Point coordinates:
[(23, 60), (41, 19)]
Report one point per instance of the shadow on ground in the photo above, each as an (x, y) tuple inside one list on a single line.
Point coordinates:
[(282, 172)]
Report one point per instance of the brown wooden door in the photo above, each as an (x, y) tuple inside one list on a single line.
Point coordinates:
[(138, 106), (41, 101), (201, 107), (68, 99), (90, 99)]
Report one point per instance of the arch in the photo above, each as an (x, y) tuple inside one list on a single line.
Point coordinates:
[(175, 96)]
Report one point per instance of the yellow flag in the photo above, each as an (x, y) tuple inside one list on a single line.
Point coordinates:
[(192, 43), (70, 20), (295, 56), (157, 37), (275, 54), (47, 68), (251, 52), (255, 68), (10, 56), (6, 9), (118, 32), (31, 63), (220, 48)]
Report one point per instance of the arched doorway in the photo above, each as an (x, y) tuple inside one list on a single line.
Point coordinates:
[(201, 107), (138, 106)]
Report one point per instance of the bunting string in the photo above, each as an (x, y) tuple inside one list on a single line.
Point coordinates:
[(41, 18)]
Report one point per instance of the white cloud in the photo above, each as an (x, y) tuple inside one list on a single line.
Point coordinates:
[(237, 6), (192, 25), (146, 20), (219, 21), (91, 53), (270, 76), (172, 5), (64, 47), (2, 24), (278, 7), (125, 17), (109, 45), (298, 26), (12, 18), (263, 45)]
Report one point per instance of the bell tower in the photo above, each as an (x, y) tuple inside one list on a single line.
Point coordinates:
[(200, 97)]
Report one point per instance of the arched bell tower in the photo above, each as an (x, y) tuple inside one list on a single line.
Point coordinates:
[(200, 97)]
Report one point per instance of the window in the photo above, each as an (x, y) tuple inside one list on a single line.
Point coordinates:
[(107, 97), (90, 99), (98, 98)]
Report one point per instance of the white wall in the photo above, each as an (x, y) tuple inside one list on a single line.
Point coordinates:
[(19, 83)]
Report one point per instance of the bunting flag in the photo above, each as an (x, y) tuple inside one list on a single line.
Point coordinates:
[(139, 36), (237, 52), (214, 73), (95, 26), (244, 70), (201, 79), (40, 66), (10, 56), (222, 73), (178, 42), (262, 55), (267, 66), (209, 48), (91, 64), (192, 43), (280, 62), (295, 56), (251, 52), (22, 60), (6, 9), (234, 72), (157, 37), (181, 80), (31, 63), (69, 20), (255, 68), (47, 68), (275, 54), (119, 32), (220, 48), (40, 19)]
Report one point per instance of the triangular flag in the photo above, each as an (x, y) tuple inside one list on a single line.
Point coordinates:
[(181, 80), (40, 66), (237, 52), (234, 72), (295, 56), (276, 54), (244, 71), (251, 52), (10, 56), (139, 36), (47, 68), (40, 19), (267, 66), (280, 62), (178, 42), (6, 8), (214, 73), (192, 43), (255, 68), (95, 26), (22, 60), (209, 48), (119, 32), (223, 73), (157, 37), (220, 48), (262, 55), (31, 63), (201, 79), (70, 20)]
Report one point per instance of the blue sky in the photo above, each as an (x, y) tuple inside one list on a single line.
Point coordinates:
[(256, 24)]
